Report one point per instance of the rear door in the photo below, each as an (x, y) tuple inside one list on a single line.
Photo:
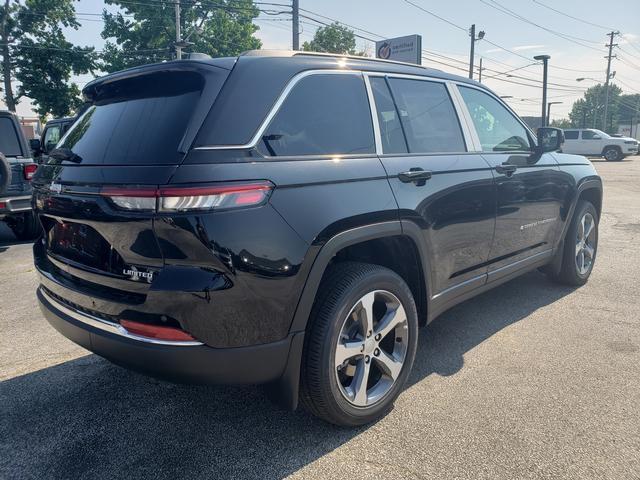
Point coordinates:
[(439, 185), (529, 186)]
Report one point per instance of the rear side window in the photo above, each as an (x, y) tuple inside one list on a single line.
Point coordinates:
[(9, 142), (497, 128), (137, 121), (429, 120), (571, 134), (393, 140), (322, 115)]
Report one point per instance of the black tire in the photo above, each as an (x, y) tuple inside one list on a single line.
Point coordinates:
[(570, 272), (5, 174), (612, 154), (25, 226), (344, 285)]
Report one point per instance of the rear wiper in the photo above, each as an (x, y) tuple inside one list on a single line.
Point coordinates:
[(65, 154)]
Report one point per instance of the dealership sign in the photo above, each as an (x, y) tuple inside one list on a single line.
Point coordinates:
[(401, 49)]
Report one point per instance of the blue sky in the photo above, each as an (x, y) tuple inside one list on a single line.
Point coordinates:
[(579, 54)]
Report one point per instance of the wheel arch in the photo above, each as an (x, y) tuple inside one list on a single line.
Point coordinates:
[(285, 390)]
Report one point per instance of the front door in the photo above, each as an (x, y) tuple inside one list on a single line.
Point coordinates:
[(529, 185), (439, 186)]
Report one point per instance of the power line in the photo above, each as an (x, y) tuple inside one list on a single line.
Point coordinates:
[(571, 16), (501, 8)]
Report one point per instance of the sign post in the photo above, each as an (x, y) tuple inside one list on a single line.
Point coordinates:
[(401, 49)]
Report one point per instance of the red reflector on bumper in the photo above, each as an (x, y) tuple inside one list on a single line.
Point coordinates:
[(155, 331)]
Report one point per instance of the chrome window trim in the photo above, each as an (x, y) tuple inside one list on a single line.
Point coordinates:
[(276, 108), (473, 141), (111, 327), (532, 135), (374, 115)]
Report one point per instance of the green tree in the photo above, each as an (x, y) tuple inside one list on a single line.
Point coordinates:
[(139, 34), (629, 108), (562, 123), (333, 38), (588, 111), (36, 54)]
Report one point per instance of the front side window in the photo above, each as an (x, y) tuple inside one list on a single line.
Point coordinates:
[(570, 134), (51, 137), (429, 120), (497, 128), (591, 135), (322, 115)]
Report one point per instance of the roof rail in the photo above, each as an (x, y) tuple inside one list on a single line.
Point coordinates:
[(295, 53)]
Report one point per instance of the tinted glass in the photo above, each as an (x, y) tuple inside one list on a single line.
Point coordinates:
[(393, 140), (322, 115), (589, 135), (135, 122), (429, 120), (570, 134), (9, 142), (52, 136), (497, 128)]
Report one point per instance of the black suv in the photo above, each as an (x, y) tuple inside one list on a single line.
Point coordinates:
[(16, 171), (292, 218)]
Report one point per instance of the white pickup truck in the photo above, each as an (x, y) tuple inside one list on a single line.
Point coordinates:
[(595, 143)]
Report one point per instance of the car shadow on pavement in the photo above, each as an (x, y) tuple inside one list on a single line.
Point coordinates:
[(88, 418)]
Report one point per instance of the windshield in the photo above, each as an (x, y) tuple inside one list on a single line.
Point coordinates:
[(137, 121), (9, 141)]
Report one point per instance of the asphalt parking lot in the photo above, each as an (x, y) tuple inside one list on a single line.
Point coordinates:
[(531, 380)]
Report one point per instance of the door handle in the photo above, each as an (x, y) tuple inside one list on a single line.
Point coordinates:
[(416, 175), (507, 169)]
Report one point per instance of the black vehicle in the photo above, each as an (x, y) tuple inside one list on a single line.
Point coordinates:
[(16, 171), (53, 131), (292, 218)]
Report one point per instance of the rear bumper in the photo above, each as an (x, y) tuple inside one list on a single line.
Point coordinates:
[(16, 204), (188, 362)]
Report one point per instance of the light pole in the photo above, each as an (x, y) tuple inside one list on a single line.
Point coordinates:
[(474, 39), (549, 109), (545, 63)]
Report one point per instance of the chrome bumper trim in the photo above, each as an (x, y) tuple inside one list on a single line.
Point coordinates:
[(12, 209), (111, 327)]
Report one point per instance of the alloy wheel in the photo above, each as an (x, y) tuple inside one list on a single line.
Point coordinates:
[(585, 243), (371, 349)]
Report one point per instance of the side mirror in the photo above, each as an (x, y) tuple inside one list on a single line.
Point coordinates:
[(550, 139), (49, 146), (35, 146), (596, 137)]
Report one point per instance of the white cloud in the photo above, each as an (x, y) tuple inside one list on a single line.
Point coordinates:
[(526, 47)]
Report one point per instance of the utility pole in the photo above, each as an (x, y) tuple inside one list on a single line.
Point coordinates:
[(606, 83), (545, 67), (474, 39), (549, 109), (296, 24), (472, 32), (480, 71), (178, 34)]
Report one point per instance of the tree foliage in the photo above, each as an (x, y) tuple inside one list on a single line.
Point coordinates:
[(333, 38), (588, 111), (36, 53), (138, 34)]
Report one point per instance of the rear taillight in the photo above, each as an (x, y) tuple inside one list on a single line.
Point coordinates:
[(182, 199), (29, 170), (155, 331)]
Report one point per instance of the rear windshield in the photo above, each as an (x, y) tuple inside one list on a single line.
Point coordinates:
[(9, 142), (138, 121)]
